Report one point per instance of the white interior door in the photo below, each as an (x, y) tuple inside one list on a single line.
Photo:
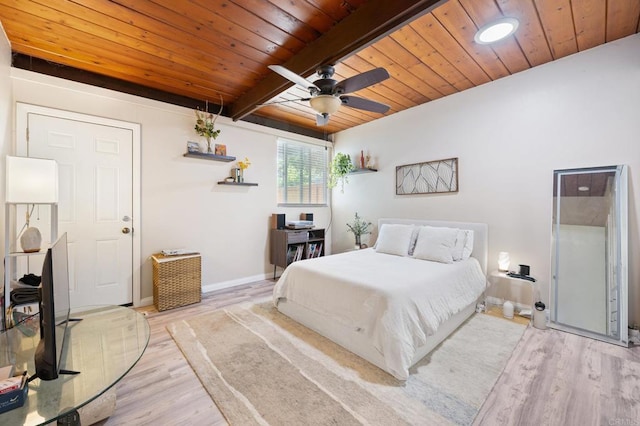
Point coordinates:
[(95, 164)]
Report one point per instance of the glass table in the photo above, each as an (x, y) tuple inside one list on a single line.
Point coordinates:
[(103, 347)]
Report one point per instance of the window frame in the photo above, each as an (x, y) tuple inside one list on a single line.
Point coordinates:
[(326, 147)]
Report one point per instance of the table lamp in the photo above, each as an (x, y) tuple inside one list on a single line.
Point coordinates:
[(503, 261), (31, 181)]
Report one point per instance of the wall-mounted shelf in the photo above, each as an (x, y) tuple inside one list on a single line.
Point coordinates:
[(237, 183), (207, 156), (357, 171)]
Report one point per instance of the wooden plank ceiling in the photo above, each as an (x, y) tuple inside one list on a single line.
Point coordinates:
[(192, 51)]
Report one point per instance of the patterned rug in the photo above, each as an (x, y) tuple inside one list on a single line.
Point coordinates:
[(262, 368)]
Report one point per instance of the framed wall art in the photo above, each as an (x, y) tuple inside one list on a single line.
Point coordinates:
[(427, 178)]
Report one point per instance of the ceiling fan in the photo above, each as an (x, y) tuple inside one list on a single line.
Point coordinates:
[(328, 94)]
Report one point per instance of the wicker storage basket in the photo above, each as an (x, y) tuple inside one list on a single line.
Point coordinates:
[(176, 280)]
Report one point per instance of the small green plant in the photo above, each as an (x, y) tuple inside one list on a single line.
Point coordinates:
[(359, 226), (206, 124), (341, 165)]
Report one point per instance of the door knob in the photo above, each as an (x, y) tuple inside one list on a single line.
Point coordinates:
[(126, 230)]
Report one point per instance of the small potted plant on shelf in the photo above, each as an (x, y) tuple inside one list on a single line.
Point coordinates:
[(341, 165), (239, 171), (359, 227), (205, 124)]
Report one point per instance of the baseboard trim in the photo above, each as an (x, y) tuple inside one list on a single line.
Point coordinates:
[(146, 301), (232, 283), (218, 286)]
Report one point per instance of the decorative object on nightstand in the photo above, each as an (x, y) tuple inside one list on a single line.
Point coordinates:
[(205, 124), (507, 310), (359, 227), (503, 261)]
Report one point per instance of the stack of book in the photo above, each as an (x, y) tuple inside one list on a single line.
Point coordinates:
[(13, 389), (314, 250), (294, 253)]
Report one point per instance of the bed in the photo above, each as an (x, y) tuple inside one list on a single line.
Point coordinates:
[(393, 303)]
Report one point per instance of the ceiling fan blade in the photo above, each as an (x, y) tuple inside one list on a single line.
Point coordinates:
[(360, 81), (322, 119), (292, 76), (365, 104), (283, 102)]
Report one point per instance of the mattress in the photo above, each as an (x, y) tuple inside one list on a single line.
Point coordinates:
[(393, 302)]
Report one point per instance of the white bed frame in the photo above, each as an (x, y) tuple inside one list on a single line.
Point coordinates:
[(355, 342)]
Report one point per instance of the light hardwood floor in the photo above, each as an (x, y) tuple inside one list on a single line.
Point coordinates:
[(162, 389), (552, 378)]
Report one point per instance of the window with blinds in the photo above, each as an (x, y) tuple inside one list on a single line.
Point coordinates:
[(302, 173)]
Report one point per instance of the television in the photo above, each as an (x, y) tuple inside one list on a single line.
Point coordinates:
[(54, 311)]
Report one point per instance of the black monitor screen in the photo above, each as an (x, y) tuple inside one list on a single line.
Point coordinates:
[(54, 310)]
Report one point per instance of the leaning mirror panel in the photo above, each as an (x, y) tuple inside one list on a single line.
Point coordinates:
[(589, 253)]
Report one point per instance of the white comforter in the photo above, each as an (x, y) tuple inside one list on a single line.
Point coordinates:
[(396, 302)]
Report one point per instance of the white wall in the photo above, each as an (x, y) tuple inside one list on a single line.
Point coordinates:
[(182, 204), (509, 136)]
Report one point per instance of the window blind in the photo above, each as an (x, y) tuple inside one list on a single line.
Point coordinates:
[(302, 173)]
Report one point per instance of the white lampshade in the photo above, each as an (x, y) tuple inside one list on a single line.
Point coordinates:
[(503, 261), (31, 180), (325, 104)]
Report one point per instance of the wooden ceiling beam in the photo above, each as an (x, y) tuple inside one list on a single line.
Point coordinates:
[(368, 23)]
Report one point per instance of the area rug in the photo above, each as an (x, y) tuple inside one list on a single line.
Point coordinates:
[(262, 368)]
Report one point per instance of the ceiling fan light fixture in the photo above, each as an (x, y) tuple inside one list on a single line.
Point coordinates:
[(496, 31), (325, 104)]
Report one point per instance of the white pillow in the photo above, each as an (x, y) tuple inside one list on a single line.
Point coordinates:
[(435, 244), (468, 245), (464, 244), (394, 239), (414, 238)]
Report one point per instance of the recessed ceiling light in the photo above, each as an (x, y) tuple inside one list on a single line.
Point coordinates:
[(583, 188), (497, 30)]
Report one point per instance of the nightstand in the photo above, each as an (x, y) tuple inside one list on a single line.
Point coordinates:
[(513, 289)]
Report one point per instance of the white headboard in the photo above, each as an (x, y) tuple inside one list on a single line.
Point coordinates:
[(480, 234)]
